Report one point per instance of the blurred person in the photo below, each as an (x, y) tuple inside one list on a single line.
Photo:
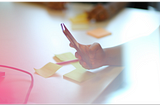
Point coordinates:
[(53, 5), (100, 12), (56, 5), (104, 11)]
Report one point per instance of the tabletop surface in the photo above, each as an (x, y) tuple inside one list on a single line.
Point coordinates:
[(31, 35)]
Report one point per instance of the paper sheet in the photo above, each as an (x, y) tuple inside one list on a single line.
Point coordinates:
[(48, 70), (79, 76), (68, 56), (64, 57), (98, 33), (78, 66), (80, 22), (79, 26), (80, 19)]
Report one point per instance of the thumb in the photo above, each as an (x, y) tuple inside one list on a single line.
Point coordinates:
[(93, 48), (71, 45)]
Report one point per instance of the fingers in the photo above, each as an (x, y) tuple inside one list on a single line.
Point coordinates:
[(78, 56), (93, 48), (90, 53), (71, 45), (84, 65), (81, 61)]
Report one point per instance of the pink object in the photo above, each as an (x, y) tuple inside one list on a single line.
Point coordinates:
[(32, 80), (2, 74), (67, 62)]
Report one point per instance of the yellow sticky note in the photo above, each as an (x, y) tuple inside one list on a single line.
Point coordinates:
[(64, 57), (68, 56), (98, 33), (80, 19), (79, 76), (78, 66), (81, 26), (48, 70), (80, 22), (82, 15)]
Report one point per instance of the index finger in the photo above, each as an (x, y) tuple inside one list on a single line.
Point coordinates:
[(71, 45)]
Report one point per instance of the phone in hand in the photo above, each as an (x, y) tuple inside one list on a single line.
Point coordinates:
[(74, 43), (70, 37)]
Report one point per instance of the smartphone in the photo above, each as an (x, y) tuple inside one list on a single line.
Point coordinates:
[(74, 43), (70, 37)]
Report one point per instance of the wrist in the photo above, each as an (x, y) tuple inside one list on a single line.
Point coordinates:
[(106, 57), (113, 56)]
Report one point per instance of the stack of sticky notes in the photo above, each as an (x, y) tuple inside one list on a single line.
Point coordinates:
[(79, 22), (64, 57), (98, 33), (79, 74), (48, 70)]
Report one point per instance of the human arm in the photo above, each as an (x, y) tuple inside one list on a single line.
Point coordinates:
[(97, 56)]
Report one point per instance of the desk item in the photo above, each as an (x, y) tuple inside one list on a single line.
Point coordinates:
[(64, 57), (80, 19), (79, 75), (68, 57), (48, 70), (32, 80), (80, 22), (98, 33), (70, 38), (77, 65), (2, 74), (67, 62), (75, 44), (79, 26)]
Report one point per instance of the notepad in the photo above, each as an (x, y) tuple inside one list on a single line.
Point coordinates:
[(77, 65), (68, 56), (48, 70), (79, 26), (80, 22), (98, 33), (79, 76), (64, 57), (79, 19)]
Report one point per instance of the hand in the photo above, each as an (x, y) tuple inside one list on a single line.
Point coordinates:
[(95, 54), (98, 13), (56, 5)]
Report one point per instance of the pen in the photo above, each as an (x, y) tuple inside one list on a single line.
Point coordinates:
[(67, 62)]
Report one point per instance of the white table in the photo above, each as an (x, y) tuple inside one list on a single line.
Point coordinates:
[(31, 35)]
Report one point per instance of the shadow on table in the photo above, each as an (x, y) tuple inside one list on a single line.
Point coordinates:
[(117, 84)]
